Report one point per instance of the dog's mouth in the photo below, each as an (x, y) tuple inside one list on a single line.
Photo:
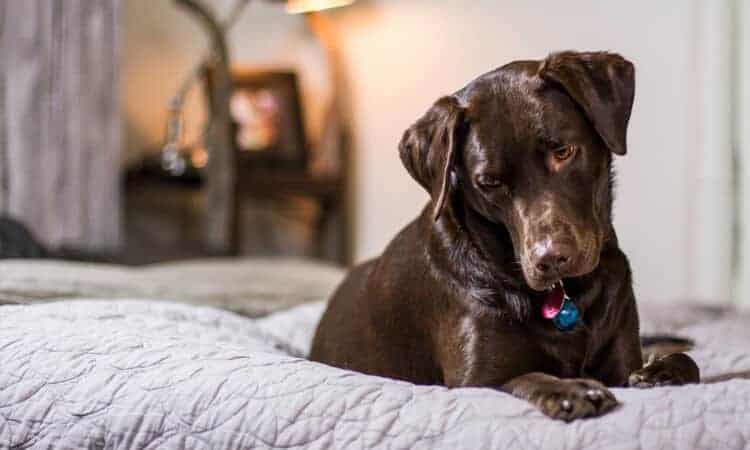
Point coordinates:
[(541, 276), (544, 282), (537, 280)]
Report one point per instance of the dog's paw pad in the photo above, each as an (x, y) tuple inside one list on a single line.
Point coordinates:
[(672, 370), (576, 399), (645, 378)]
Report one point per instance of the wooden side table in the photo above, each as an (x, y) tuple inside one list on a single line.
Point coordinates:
[(277, 184), (165, 216)]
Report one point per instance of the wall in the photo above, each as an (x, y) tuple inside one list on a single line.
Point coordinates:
[(742, 286), (403, 54), (162, 44)]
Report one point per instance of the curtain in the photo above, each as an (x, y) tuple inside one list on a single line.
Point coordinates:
[(60, 121), (711, 244), (742, 130)]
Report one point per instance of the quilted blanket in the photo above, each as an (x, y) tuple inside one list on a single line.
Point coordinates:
[(130, 374)]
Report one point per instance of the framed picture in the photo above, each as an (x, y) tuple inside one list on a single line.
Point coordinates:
[(266, 112)]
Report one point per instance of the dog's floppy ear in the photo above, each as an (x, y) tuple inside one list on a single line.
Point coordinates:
[(428, 149), (603, 85)]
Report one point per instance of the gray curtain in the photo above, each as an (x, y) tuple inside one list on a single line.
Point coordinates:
[(742, 157), (60, 120)]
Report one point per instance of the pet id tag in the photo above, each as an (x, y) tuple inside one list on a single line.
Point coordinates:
[(559, 308)]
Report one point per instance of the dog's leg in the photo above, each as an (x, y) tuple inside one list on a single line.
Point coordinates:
[(563, 399), (672, 370)]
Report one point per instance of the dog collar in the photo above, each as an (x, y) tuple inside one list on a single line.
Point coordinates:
[(559, 308)]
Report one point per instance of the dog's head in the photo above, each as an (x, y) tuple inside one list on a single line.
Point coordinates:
[(529, 147)]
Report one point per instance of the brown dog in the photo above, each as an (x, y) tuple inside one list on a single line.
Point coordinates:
[(519, 168)]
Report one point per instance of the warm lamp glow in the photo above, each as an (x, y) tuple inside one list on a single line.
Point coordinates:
[(304, 6)]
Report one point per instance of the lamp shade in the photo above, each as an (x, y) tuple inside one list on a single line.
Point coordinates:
[(304, 6)]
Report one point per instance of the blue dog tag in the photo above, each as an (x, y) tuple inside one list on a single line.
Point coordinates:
[(567, 318)]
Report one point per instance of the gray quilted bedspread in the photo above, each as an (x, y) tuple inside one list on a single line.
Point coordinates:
[(149, 375)]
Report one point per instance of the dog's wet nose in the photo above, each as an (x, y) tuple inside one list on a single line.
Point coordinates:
[(552, 257)]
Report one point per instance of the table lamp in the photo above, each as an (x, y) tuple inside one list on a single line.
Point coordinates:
[(220, 173), (335, 134), (306, 6)]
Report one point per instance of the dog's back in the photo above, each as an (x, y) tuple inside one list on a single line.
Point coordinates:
[(375, 320)]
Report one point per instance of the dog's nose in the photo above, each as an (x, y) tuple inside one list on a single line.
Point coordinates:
[(552, 257)]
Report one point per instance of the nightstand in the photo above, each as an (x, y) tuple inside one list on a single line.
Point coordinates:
[(277, 212)]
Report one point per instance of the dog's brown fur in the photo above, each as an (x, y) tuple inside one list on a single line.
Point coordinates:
[(519, 168)]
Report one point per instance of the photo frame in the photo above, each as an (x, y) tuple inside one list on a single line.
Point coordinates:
[(268, 124)]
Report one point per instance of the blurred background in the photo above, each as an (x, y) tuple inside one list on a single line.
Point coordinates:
[(139, 131)]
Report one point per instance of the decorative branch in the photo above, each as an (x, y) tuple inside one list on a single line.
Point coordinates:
[(210, 59), (220, 173)]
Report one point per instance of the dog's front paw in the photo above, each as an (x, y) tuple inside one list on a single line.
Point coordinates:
[(673, 370), (575, 399)]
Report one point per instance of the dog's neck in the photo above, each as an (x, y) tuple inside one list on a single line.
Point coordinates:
[(481, 252)]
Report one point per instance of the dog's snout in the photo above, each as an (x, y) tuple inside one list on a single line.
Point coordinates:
[(552, 257)]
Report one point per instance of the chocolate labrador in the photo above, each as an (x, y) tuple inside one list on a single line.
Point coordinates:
[(511, 277)]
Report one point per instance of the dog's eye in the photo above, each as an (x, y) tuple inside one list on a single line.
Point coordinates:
[(564, 153), (488, 181)]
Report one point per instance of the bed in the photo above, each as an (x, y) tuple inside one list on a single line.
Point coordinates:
[(209, 355)]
